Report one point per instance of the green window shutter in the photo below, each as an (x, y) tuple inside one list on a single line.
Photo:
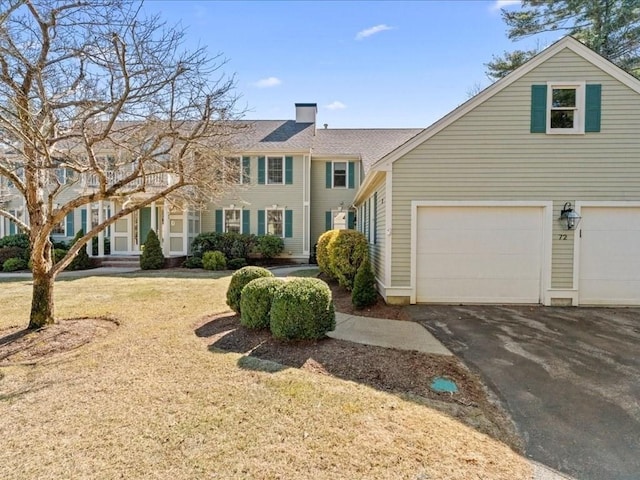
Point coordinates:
[(329, 174), (538, 108), (83, 220), (350, 220), (593, 97), (246, 219), (261, 170), (260, 222), (288, 170), (368, 216), (219, 226), (352, 177), (246, 170), (69, 228), (288, 223), (327, 220), (375, 217)]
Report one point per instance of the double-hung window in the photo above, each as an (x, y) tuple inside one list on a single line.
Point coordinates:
[(232, 220), (565, 107), (339, 174), (275, 222), (233, 170), (275, 170)]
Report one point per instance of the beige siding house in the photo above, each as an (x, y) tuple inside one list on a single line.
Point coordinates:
[(480, 207)]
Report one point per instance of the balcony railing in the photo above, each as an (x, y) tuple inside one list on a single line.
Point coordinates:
[(151, 180)]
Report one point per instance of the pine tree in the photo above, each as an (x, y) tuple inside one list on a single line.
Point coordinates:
[(609, 27)]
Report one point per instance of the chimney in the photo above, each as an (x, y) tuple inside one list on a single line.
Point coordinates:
[(306, 112)]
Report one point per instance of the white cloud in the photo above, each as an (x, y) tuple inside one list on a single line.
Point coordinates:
[(336, 105), (268, 82), (498, 4), (367, 32)]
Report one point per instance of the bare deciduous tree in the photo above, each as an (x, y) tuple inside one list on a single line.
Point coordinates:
[(81, 78)]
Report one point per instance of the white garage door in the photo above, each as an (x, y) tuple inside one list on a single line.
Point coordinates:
[(609, 270), (479, 254)]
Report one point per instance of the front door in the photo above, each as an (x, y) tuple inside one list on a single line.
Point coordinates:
[(144, 216)]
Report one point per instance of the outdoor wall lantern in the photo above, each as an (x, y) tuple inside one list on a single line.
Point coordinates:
[(569, 215)]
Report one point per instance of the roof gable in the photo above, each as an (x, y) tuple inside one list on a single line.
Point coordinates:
[(565, 43)]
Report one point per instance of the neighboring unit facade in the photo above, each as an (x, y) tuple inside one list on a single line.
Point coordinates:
[(285, 178), (471, 209)]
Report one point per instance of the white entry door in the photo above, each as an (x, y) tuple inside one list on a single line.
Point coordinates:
[(609, 264), (483, 254)]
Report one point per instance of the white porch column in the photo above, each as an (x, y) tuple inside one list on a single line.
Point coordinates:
[(112, 228), (2, 222), (166, 240), (154, 219), (89, 246), (101, 234), (185, 231)]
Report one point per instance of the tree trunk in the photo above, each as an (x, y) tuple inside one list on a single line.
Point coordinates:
[(42, 300)]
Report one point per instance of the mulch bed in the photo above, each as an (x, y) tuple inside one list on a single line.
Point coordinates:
[(405, 373)]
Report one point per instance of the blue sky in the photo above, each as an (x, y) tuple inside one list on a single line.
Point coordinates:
[(366, 64)]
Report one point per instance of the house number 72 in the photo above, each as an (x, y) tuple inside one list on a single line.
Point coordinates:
[(562, 236)]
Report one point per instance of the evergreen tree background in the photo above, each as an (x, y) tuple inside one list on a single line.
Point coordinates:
[(609, 27)]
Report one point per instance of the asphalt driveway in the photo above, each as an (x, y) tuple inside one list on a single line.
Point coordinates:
[(570, 377)]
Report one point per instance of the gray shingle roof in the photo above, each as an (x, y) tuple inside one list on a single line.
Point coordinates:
[(276, 135), (369, 144)]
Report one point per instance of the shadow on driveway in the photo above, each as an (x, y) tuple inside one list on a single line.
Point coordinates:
[(570, 377)]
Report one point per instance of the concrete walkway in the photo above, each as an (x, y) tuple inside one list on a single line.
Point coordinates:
[(379, 332), (396, 334), (75, 274)]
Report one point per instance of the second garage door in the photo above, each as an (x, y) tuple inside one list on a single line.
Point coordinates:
[(609, 256), (479, 254)]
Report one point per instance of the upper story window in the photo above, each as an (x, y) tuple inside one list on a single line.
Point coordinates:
[(565, 108), (232, 220), (233, 170), (275, 170), (339, 174)]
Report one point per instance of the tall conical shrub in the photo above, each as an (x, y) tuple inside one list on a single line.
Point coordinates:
[(152, 257), (364, 286), (81, 261)]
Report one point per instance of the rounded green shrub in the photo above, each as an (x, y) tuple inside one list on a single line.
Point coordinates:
[(302, 308), (214, 261), (238, 281), (364, 291), (269, 246), (152, 257), (13, 264), (11, 252), (322, 251), (347, 250), (193, 262), (236, 263), (255, 301), (58, 254)]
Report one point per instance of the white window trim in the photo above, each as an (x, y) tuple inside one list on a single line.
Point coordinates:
[(333, 175), (266, 170), (334, 213), (240, 168), (224, 218), (266, 220), (579, 118)]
